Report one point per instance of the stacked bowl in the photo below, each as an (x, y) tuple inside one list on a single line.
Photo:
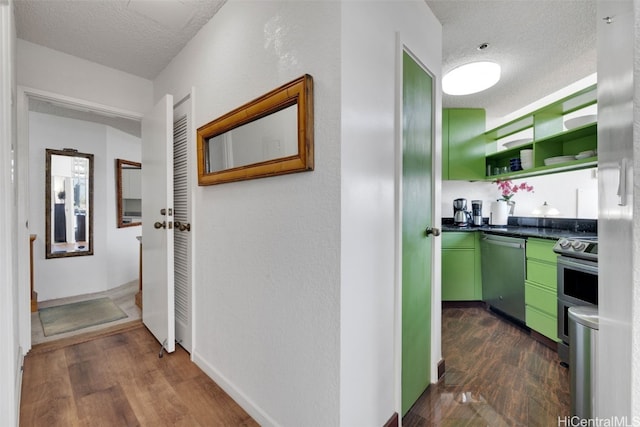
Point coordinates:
[(514, 164), (526, 159)]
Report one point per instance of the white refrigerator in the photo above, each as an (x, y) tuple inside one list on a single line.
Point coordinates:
[(617, 373)]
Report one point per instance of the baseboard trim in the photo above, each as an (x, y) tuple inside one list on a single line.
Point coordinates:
[(393, 421), (544, 340), (18, 390), (441, 369), (463, 304), (257, 413)]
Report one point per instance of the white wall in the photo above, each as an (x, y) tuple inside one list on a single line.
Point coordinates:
[(49, 70), (267, 279), (574, 194), (369, 372), (10, 356), (106, 268), (122, 246)]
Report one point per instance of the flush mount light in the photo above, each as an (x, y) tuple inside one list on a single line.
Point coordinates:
[(471, 78)]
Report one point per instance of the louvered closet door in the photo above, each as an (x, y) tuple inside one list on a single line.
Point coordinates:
[(182, 234)]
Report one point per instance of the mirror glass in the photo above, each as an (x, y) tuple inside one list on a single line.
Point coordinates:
[(68, 201), (271, 135), (269, 138), (129, 193)]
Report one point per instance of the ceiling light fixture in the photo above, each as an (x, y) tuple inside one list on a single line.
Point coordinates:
[(471, 78)]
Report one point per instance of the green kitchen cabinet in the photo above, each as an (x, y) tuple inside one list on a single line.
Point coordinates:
[(550, 138), (540, 288), (461, 278), (463, 144)]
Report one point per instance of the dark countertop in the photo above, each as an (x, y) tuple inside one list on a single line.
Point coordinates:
[(532, 227)]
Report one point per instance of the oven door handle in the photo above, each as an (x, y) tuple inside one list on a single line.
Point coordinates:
[(563, 261)]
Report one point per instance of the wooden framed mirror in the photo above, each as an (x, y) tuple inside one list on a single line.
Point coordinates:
[(271, 135), (129, 193), (68, 203)]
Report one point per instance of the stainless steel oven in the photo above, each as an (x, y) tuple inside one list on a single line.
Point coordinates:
[(577, 283)]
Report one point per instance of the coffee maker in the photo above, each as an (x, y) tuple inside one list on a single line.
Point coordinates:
[(460, 215), (476, 212)]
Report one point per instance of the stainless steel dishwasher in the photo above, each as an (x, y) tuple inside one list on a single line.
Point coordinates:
[(503, 273)]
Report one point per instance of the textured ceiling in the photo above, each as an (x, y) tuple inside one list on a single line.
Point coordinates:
[(542, 46), (136, 36)]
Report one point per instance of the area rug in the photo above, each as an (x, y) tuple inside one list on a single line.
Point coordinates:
[(79, 315)]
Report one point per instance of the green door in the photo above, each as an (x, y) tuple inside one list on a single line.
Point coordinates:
[(417, 117)]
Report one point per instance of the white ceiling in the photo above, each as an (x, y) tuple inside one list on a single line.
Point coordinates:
[(542, 45), (139, 37)]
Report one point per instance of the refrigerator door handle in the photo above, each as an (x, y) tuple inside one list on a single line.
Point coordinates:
[(622, 183)]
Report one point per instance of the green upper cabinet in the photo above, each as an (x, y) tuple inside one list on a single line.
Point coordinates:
[(463, 144), (550, 138)]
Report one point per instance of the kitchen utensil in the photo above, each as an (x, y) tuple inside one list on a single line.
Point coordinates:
[(577, 122)]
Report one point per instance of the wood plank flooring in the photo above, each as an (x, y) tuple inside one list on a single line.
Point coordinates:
[(496, 375), (117, 379)]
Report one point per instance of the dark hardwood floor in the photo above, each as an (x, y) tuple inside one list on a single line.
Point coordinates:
[(117, 379), (496, 375)]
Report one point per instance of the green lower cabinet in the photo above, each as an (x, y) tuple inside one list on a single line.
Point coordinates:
[(542, 322), (541, 290), (461, 279)]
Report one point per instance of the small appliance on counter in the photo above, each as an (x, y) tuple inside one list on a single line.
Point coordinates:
[(461, 217), (476, 212)]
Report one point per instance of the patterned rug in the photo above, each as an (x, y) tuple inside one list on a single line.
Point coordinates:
[(79, 315)]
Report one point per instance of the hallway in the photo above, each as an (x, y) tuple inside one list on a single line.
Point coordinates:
[(119, 380), (123, 296)]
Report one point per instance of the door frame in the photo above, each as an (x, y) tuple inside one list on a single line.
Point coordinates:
[(24, 94), (436, 185)]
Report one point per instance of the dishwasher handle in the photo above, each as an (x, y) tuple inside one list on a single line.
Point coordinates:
[(501, 243)]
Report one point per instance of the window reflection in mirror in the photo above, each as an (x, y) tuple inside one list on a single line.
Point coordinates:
[(129, 193), (272, 137), (69, 199)]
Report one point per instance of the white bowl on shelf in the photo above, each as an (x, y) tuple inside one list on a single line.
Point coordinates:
[(558, 159), (517, 143), (576, 122), (526, 154), (585, 154), (526, 164)]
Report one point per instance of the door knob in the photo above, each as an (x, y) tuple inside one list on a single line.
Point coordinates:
[(159, 224), (183, 227), (432, 230)]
